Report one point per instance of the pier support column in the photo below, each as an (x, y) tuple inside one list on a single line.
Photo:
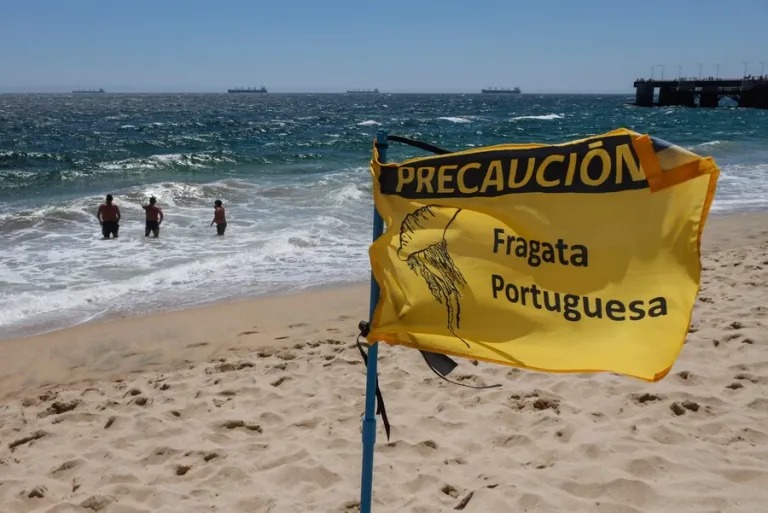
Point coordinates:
[(746, 99), (666, 97), (756, 98), (761, 97), (687, 98), (709, 99), (644, 95)]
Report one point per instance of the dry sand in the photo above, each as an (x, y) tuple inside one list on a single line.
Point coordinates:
[(255, 407)]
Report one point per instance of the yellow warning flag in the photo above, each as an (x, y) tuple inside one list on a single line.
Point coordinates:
[(574, 257)]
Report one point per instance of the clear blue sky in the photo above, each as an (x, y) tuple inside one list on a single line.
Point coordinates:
[(397, 46)]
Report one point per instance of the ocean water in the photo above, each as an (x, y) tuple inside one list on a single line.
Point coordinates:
[(291, 171)]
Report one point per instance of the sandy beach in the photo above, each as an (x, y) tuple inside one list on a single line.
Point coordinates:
[(255, 406)]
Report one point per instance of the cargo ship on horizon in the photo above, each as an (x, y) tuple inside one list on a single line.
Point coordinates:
[(363, 91), (88, 91), (493, 90), (262, 89)]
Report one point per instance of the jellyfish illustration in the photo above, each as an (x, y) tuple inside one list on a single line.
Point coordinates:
[(424, 248)]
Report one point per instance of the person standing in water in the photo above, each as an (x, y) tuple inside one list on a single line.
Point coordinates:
[(219, 217), (109, 218), (154, 218)]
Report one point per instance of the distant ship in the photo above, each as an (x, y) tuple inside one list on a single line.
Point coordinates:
[(88, 91), (493, 90), (262, 89), (363, 91)]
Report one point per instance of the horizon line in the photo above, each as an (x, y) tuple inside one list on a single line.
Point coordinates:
[(123, 91)]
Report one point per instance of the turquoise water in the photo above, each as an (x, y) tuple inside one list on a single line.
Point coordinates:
[(291, 170)]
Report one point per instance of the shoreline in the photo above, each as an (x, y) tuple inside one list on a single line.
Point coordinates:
[(99, 350), (38, 330), (31, 331)]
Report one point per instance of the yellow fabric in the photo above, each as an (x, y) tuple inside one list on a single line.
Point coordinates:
[(502, 253)]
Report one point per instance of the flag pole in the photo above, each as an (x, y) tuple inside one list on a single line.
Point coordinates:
[(369, 421)]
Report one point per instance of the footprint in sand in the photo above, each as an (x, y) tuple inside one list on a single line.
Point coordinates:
[(746, 376), (450, 491), (67, 465), (691, 405), (229, 367), (679, 408), (350, 507), (279, 381), (208, 456), (59, 407), (645, 398), (37, 492), (286, 356), (97, 502), (235, 424)]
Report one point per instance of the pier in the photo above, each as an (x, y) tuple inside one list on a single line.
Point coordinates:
[(749, 91)]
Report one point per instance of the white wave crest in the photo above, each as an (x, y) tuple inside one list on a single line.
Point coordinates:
[(712, 145), (544, 117), (192, 160), (455, 119)]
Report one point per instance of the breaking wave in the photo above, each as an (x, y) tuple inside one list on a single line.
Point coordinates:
[(543, 117)]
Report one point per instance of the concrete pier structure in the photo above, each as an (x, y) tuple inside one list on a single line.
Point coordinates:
[(749, 91)]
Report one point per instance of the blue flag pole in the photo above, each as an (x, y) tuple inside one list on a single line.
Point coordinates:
[(369, 421)]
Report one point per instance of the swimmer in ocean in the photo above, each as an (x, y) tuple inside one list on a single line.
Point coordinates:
[(154, 218), (109, 218), (219, 217)]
